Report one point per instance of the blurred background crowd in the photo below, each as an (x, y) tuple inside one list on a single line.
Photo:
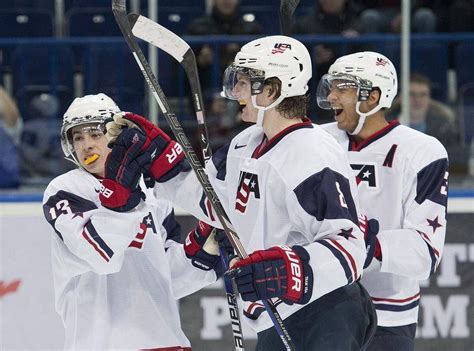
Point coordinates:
[(54, 50)]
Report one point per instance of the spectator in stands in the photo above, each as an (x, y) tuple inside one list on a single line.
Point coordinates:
[(434, 118), (40, 153), (11, 125), (465, 22), (225, 18), (383, 16), (328, 17)]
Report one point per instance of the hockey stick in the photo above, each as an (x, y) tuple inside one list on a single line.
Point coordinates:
[(172, 44), (120, 13), (287, 9)]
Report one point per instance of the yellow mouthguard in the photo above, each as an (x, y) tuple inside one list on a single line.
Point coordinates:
[(91, 159)]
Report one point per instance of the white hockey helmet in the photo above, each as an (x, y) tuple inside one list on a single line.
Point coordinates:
[(366, 70), (87, 109), (276, 56)]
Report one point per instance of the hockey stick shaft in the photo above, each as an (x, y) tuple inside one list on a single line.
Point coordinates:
[(120, 13), (287, 9), (176, 47)]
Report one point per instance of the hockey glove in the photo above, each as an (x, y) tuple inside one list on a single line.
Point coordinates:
[(123, 168), (202, 248), (280, 271), (370, 228), (167, 155)]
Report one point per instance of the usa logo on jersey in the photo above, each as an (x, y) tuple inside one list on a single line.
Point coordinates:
[(147, 223), (365, 173), (248, 184)]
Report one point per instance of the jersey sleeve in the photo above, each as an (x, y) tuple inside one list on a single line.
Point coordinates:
[(185, 278), (96, 235), (415, 249), (185, 190), (323, 208)]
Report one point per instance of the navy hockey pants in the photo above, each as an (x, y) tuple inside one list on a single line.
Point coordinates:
[(394, 338), (343, 320)]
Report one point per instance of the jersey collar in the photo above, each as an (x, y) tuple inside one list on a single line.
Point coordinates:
[(353, 146), (265, 145)]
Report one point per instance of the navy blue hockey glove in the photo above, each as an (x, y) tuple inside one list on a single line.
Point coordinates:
[(123, 168), (280, 271), (226, 250), (370, 228), (201, 247), (167, 156)]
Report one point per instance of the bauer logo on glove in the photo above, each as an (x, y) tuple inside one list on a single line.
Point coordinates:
[(281, 271)]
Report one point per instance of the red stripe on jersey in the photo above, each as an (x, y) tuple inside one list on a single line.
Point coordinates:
[(354, 146), (428, 241), (349, 256), (414, 297), (85, 234), (390, 156)]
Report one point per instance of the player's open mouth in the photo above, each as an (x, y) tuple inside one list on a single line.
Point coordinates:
[(337, 111), (91, 159)]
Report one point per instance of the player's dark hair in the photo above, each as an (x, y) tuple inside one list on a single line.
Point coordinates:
[(290, 107)]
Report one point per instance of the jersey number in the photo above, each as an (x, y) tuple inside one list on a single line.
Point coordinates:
[(62, 206), (342, 199)]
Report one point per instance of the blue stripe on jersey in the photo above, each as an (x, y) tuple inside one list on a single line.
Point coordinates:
[(220, 161), (433, 259), (396, 308), (320, 196), (202, 204), (96, 237), (338, 254), (172, 227), (431, 181), (64, 202)]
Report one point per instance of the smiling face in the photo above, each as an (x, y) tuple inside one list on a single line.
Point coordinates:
[(90, 146), (343, 99)]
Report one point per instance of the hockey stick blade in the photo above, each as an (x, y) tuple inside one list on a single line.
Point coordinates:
[(287, 9), (120, 14), (164, 39)]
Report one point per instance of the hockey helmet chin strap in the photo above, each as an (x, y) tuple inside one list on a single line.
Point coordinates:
[(262, 109), (362, 117)]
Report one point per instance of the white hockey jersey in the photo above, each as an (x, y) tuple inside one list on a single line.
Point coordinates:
[(117, 275), (294, 189), (402, 178)]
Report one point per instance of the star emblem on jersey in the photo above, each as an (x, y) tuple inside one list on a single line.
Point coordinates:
[(434, 223), (365, 174), (347, 233)]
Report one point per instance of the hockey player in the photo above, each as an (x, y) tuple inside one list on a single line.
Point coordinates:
[(117, 263), (286, 187), (402, 178)]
